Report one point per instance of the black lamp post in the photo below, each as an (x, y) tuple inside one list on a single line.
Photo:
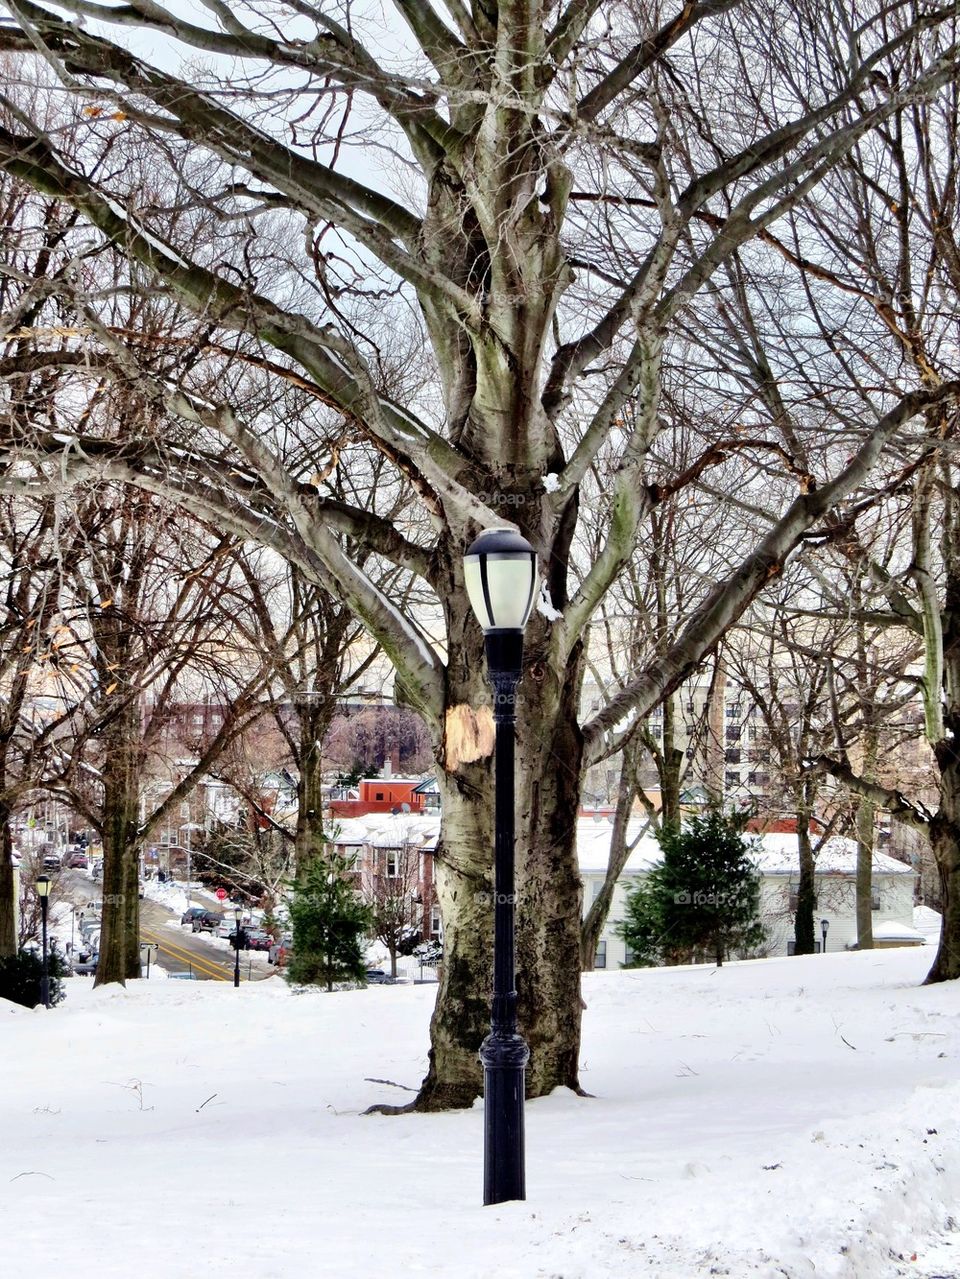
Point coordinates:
[(43, 892), (500, 570), (236, 938), (824, 925)]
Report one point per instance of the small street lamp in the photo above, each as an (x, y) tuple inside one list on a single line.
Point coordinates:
[(43, 892), (500, 571), (236, 940), (824, 925)]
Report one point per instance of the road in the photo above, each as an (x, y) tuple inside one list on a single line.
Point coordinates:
[(177, 951)]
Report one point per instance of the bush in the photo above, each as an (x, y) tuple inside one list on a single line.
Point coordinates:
[(21, 975)]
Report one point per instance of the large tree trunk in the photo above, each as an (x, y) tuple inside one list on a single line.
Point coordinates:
[(866, 812), (8, 899), (309, 834), (803, 928), (120, 930), (945, 842), (944, 834), (548, 886)]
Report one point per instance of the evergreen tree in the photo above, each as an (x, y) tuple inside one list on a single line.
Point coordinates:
[(329, 921), (703, 900)]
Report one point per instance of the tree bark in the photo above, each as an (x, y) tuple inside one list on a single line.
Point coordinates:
[(803, 927), (866, 812), (8, 899), (120, 928)]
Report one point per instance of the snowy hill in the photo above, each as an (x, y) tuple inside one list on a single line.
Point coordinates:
[(787, 1117)]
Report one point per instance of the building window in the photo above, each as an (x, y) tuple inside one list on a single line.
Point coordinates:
[(393, 864), (601, 959), (731, 779), (732, 755), (436, 926), (733, 732), (628, 957), (875, 899), (379, 794)]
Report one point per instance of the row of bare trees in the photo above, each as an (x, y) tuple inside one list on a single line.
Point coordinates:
[(688, 268)]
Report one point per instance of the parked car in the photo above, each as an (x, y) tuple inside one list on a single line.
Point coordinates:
[(86, 967), (377, 977), (208, 921), (257, 939), (51, 859), (76, 860), (227, 925), (280, 951), (192, 913)]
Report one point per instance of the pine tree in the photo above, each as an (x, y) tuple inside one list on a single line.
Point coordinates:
[(702, 900), (329, 923)]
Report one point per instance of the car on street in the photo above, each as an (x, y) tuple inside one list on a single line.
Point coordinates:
[(257, 939), (76, 860), (208, 921), (279, 952), (377, 977), (192, 913), (51, 860)]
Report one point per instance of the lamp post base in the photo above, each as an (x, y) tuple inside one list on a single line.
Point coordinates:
[(504, 1057)]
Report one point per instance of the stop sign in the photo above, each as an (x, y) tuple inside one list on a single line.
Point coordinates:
[(221, 894)]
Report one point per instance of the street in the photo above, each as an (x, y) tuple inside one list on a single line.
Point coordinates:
[(179, 951)]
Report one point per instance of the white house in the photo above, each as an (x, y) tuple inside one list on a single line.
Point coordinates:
[(778, 863)]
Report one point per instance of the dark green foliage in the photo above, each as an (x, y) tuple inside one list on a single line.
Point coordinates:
[(20, 977), (329, 921), (703, 901)]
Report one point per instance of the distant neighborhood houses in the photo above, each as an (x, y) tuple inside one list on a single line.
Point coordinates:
[(778, 865)]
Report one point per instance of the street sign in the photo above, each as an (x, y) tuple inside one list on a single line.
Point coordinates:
[(221, 894)]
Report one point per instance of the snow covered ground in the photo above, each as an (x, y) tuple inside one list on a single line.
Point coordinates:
[(785, 1117)]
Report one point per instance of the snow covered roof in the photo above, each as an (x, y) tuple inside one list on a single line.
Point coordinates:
[(388, 830), (778, 854), (890, 930)]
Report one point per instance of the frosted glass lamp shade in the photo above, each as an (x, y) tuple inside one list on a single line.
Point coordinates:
[(43, 886), (500, 570)]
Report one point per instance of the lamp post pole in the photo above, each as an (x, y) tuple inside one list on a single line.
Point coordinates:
[(504, 1052), (500, 574), (43, 892), (824, 925), (236, 938)]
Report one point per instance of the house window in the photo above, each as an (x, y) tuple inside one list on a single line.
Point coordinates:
[(732, 755), (628, 957), (875, 899), (436, 926), (794, 898), (733, 732), (393, 864), (731, 779), (601, 959), (596, 889), (379, 794)]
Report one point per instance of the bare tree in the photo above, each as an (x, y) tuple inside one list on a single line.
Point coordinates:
[(567, 192)]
